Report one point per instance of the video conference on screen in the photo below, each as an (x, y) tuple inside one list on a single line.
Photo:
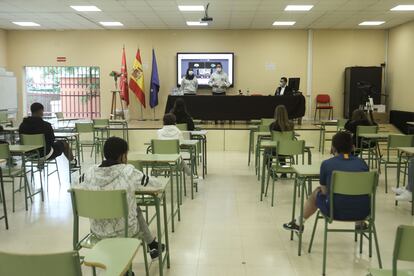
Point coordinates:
[(203, 65)]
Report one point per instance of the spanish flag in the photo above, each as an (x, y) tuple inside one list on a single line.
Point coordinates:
[(136, 82)]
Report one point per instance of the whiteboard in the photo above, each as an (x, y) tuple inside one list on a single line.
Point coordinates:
[(8, 92)]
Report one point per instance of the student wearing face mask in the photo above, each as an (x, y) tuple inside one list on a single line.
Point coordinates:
[(219, 81), (283, 89), (189, 83)]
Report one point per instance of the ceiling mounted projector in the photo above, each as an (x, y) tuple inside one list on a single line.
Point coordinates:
[(206, 18)]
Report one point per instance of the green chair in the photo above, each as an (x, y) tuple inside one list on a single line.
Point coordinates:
[(172, 147), (340, 124), (87, 129), (62, 264), (258, 151), (390, 161), (59, 115), (182, 127), (283, 135), (372, 149), (97, 205), (3, 201), (39, 140), (403, 251), (266, 122), (102, 133), (10, 173), (351, 184), (4, 118), (286, 149)]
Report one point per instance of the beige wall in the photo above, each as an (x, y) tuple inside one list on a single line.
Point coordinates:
[(286, 49), (3, 48), (400, 67), (333, 50), (253, 50)]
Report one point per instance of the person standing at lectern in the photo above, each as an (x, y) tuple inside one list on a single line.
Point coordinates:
[(219, 81), (283, 89), (189, 83)]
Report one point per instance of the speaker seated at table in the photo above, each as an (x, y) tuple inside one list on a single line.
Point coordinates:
[(283, 89)]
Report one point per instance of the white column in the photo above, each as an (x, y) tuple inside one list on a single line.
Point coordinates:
[(309, 73)]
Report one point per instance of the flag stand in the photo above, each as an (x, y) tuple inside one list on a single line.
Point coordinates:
[(142, 114), (114, 115)]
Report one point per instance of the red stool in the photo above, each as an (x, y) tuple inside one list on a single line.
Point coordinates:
[(323, 102)]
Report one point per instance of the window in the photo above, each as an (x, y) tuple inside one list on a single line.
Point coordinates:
[(72, 90)]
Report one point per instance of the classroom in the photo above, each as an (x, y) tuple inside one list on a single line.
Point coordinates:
[(206, 138)]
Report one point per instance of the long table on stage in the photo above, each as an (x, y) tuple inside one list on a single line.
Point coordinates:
[(205, 107)]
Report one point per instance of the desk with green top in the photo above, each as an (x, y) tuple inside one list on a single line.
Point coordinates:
[(322, 132), (304, 174), (172, 162), (191, 146), (24, 151), (201, 135), (156, 198)]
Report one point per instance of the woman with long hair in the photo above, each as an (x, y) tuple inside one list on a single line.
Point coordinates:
[(358, 118), (282, 122), (189, 83), (181, 114)]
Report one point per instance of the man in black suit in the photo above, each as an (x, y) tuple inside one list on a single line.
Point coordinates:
[(283, 89)]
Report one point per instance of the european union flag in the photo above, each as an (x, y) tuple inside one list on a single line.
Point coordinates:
[(155, 82)]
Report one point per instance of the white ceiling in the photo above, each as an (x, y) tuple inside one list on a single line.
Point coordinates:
[(227, 14)]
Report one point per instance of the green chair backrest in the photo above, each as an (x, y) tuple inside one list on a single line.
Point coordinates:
[(290, 147), (101, 122), (95, 204), (263, 128), (4, 151), (266, 122), (62, 264), (182, 127), (395, 141), (403, 246), (59, 115), (366, 130), (283, 135), (340, 124), (165, 146), (4, 118), (137, 164), (33, 140), (353, 184), (84, 127)]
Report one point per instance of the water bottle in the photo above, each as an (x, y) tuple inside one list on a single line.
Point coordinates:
[(248, 92)]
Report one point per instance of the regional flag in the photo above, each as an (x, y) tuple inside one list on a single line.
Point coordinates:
[(155, 82), (123, 85), (136, 82)]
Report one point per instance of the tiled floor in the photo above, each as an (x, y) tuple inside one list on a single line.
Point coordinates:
[(225, 230)]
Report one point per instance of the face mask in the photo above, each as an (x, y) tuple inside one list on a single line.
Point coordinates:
[(219, 69), (190, 73)]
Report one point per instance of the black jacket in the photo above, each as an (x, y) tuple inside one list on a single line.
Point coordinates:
[(36, 125), (288, 91), (184, 118)]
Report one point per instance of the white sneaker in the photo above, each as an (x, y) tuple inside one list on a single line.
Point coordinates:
[(398, 190), (404, 196)]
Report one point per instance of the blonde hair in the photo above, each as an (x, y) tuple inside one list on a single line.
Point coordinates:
[(282, 118)]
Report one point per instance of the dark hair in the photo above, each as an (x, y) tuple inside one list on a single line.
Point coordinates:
[(114, 147), (219, 64), (342, 142), (284, 79), (169, 119), (179, 107), (35, 107), (187, 76)]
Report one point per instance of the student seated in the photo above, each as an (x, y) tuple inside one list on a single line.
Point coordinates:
[(169, 131), (281, 123), (359, 118), (405, 193), (181, 114), (115, 174), (346, 207), (36, 125)]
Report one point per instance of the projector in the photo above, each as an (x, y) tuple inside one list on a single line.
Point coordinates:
[(207, 19)]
